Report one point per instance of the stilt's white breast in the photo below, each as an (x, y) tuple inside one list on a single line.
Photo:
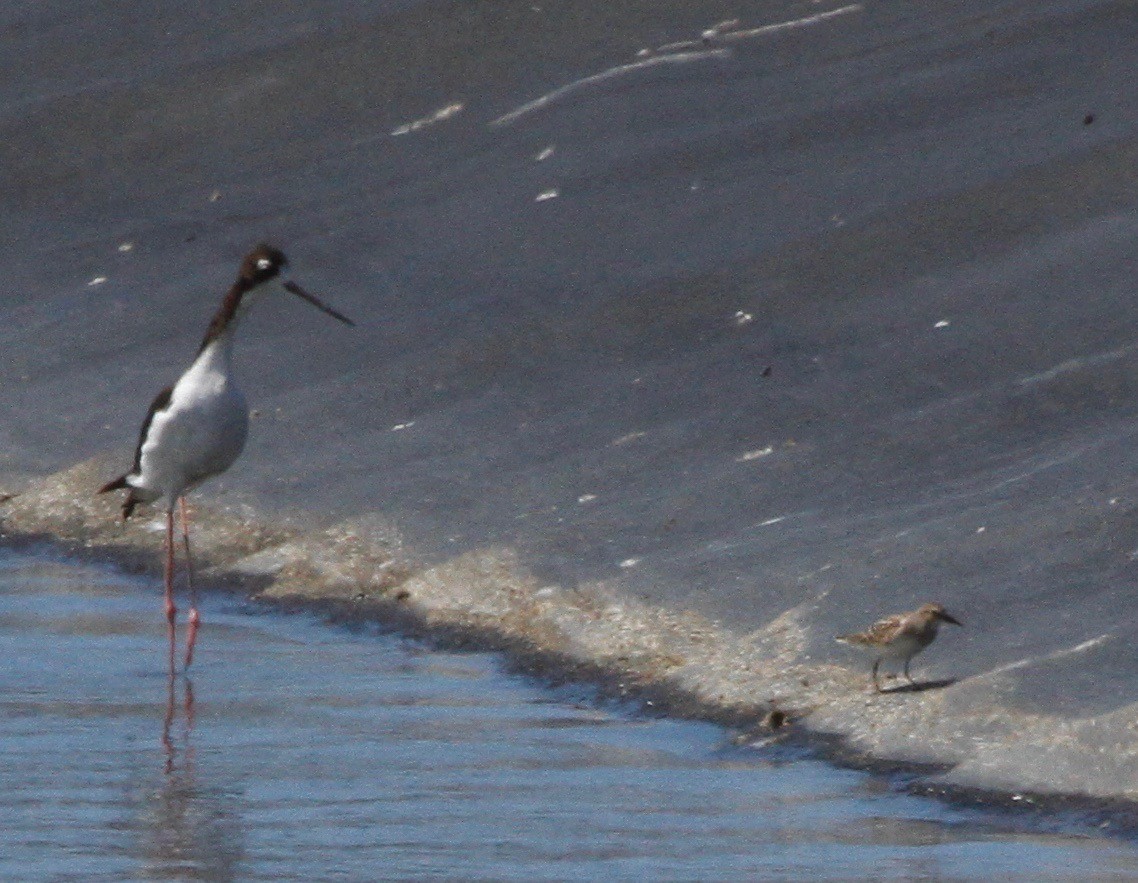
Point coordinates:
[(200, 433)]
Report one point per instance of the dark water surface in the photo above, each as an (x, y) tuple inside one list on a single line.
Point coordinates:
[(304, 752)]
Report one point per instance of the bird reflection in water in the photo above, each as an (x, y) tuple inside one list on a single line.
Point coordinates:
[(168, 744), (191, 831)]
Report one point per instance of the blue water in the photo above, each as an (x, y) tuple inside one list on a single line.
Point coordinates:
[(300, 751)]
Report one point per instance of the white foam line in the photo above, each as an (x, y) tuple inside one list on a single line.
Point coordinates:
[(618, 71), (1075, 364), (1057, 654), (719, 546), (676, 47), (763, 30), (443, 113), (991, 489)]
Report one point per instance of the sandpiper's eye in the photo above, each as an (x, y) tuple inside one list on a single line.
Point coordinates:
[(263, 263)]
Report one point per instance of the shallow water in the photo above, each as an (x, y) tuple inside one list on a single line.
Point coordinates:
[(299, 751)]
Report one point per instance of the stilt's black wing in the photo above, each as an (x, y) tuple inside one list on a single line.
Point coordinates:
[(160, 403)]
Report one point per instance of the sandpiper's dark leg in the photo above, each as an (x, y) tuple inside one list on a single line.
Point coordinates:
[(876, 685), (907, 675), (171, 610), (195, 617)]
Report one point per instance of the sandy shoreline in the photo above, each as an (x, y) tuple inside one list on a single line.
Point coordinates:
[(955, 740)]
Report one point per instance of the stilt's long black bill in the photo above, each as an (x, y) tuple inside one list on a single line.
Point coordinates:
[(316, 302)]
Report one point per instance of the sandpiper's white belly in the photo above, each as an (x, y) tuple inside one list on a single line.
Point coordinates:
[(903, 647), (198, 435)]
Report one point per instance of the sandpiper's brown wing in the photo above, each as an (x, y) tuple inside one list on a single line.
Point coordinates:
[(881, 632)]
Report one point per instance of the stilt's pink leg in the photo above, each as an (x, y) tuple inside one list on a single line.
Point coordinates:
[(195, 617), (171, 610)]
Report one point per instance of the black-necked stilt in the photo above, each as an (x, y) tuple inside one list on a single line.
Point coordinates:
[(196, 428)]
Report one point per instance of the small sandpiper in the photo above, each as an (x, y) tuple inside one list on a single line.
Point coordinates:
[(196, 428), (901, 636)]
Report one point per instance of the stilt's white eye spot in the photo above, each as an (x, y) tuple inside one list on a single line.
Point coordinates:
[(263, 263)]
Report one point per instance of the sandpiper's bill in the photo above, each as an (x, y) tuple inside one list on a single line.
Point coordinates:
[(196, 428), (901, 636)]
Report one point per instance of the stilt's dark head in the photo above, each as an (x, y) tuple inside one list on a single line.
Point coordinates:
[(260, 271), (262, 264)]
